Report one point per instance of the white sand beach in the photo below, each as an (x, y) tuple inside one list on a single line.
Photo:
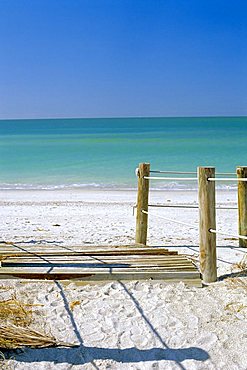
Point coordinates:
[(136, 324)]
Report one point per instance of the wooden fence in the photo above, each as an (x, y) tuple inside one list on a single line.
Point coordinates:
[(206, 179)]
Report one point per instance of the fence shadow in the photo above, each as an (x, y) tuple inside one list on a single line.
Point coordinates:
[(242, 273), (84, 354), (40, 241)]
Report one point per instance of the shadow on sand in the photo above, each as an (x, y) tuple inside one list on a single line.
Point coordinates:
[(242, 273), (82, 354)]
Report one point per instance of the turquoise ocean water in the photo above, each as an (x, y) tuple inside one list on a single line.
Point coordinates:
[(95, 153)]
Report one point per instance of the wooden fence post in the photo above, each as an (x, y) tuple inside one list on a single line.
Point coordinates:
[(242, 205), (142, 203), (207, 221)]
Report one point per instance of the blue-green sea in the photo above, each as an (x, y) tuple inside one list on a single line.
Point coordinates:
[(103, 153)]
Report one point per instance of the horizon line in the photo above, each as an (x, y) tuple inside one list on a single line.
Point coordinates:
[(121, 117)]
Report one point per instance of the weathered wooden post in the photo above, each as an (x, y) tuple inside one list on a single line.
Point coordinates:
[(242, 205), (142, 203), (207, 221)]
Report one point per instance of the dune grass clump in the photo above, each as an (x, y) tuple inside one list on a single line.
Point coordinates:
[(242, 265), (15, 312), (237, 282), (15, 330), (12, 337)]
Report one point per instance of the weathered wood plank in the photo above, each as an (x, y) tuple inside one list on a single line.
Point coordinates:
[(144, 258), (102, 259), (93, 264), (82, 248), (76, 247), (44, 267), (138, 273), (107, 268), (82, 279), (91, 253), (96, 263)]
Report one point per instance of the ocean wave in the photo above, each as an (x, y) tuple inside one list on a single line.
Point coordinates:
[(6, 186), (169, 186)]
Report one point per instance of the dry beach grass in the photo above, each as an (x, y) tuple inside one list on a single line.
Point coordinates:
[(16, 324)]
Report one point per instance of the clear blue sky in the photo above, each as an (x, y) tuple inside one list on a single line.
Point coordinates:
[(108, 58)]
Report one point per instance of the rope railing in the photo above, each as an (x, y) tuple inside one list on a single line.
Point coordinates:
[(192, 173), (196, 227), (227, 179), (171, 220), (185, 206), (192, 178), (174, 172), (226, 208), (206, 177), (228, 234), (172, 206), (170, 178), (225, 173)]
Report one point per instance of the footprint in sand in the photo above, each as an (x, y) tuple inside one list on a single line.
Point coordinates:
[(207, 341), (139, 340), (95, 336)]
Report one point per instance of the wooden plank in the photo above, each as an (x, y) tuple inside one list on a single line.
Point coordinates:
[(81, 279), (101, 267), (82, 282), (78, 247), (88, 263), (87, 259), (107, 269), (109, 251), (45, 267), (207, 221), (97, 263), (84, 272), (82, 249), (91, 253), (127, 262), (172, 258)]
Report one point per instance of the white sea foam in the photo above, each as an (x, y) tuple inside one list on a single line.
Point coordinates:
[(172, 186)]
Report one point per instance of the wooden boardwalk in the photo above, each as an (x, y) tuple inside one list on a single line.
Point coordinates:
[(96, 263)]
